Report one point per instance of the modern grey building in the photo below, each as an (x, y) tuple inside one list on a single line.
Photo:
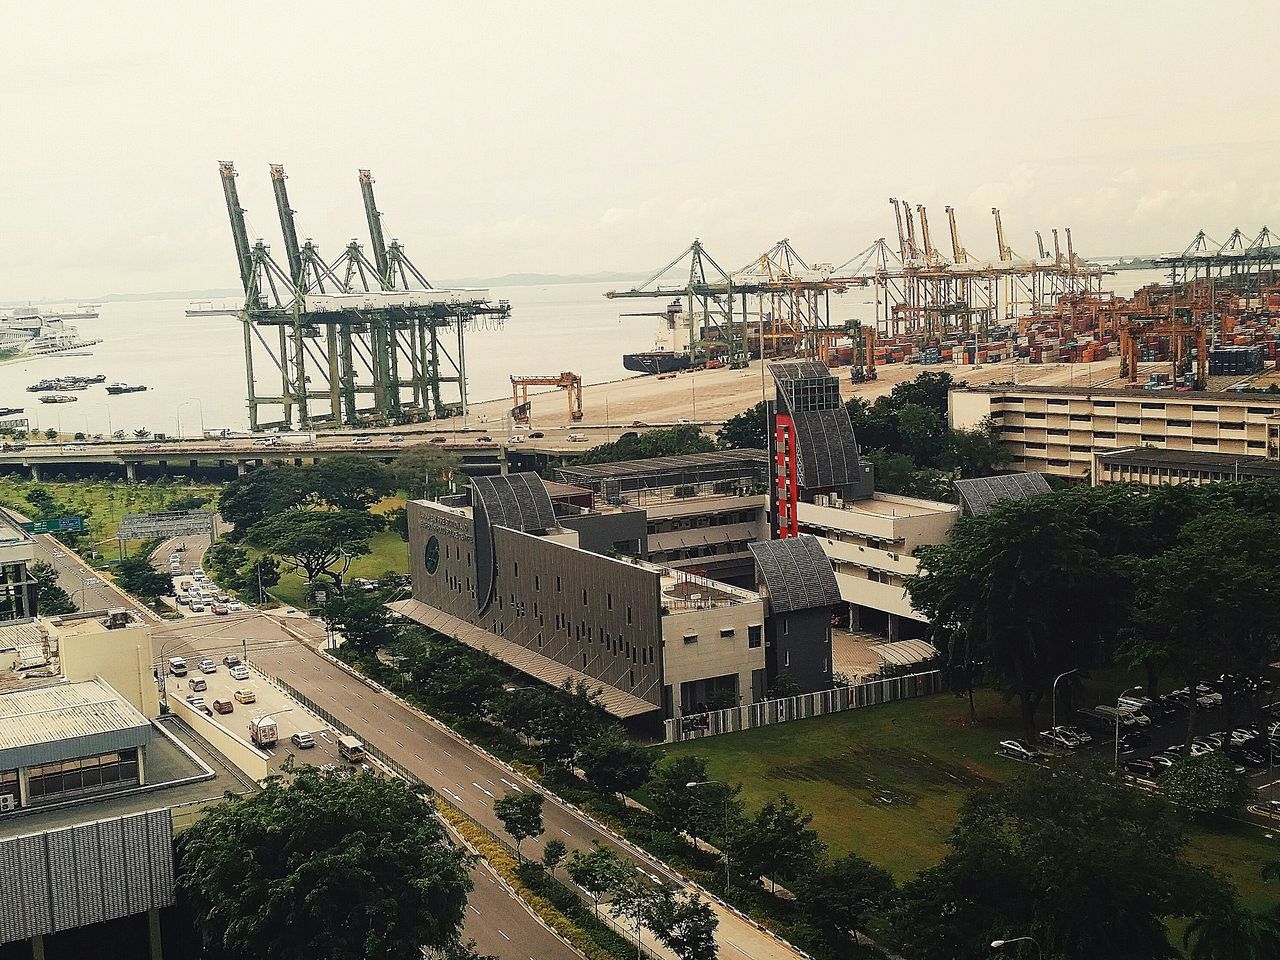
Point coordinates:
[(17, 586), (502, 572), (800, 594)]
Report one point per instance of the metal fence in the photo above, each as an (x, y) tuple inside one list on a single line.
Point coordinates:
[(838, 699)]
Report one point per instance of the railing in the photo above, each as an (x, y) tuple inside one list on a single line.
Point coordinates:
[(835, 700)]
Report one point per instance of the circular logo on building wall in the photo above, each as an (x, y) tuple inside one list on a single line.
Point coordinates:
[(432, 554)]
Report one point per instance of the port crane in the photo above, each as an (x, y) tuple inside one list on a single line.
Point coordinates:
[(570, 383)]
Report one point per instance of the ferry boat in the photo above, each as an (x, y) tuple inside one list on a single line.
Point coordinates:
[(118, 388)]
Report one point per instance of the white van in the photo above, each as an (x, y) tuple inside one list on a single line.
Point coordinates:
[(177, 666), (351, 749)]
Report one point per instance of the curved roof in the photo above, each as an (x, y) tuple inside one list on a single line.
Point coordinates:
[(797, 573), (516, 500), (810, 396), (979, 495)]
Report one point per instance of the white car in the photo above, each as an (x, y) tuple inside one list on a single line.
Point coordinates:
[(197, 606), (208, 666), (577, 438), (240, 672), (235, 606), (516, 439), (395, 438), (361, 441)]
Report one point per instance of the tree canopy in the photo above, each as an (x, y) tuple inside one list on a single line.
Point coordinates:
[(316, 542), (51, 599), (746, 430), (350, 483), (423, 470), (669, 442), (327, 866)]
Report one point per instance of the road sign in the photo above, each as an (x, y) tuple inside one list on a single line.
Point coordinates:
[(60, 525), (176, 523)]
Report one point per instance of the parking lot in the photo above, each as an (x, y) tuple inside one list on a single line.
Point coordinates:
[(1153, 734), (289, 716)]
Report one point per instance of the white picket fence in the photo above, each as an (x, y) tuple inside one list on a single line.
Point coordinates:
[(747, 717)]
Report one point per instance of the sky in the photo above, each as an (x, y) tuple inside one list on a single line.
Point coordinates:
[(580, 137)]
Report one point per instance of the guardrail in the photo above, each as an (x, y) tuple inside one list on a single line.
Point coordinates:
[(836, 700)]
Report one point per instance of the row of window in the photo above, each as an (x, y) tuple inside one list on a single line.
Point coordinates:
[(1145, 405), (83, 775), (702, 520)]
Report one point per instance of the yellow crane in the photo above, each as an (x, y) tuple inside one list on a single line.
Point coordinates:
[(570, 383)]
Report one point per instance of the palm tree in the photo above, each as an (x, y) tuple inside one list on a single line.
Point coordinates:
[(1233, 932)]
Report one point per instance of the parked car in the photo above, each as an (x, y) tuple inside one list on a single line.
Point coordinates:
[(220, 609), (245, 695), (303, 741), (361, 441), (1081, 735), (197, 684), (1020, 750), (223, 706), (196, 702), (1143, 768), (1061, 737), (437, 440), (197, 606), (1248, 756), (1200, 747), (1134, 739), (240, 672), (1164, 760), (1242, 735), (537, 435), (235, 606), (230, 660), (182, 599), (208, 666)]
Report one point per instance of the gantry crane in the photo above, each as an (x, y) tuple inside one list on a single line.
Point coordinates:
[(570, 383)]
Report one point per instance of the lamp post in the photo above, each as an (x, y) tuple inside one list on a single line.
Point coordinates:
[(1055, 695), (997, 944), (199, 406), (1118, 699), (724, 840)]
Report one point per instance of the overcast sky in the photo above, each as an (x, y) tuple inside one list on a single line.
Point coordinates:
[(572, 138)]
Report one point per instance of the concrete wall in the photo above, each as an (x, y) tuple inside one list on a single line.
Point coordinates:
[(966, 410), (799, 645), (712, 655), (599, 532), (239, 751), (121, 657)]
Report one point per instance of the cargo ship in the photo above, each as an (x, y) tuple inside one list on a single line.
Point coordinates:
[(58, 398), (655, 361), (117, 388), (670, 351)]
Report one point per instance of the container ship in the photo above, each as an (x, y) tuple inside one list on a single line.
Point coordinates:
[(671, 345)]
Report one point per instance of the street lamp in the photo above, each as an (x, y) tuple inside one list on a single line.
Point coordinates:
[(1118, 699), (724, 840), (1055, 694), (199, 406), (997, 944)]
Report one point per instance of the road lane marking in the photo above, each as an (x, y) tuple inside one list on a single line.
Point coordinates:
[(504, 936), (447, 754), (489, 782), (399, 744), (511, 785), (418, 758), (565, 832), (452, 794), (473, 909), (481, 789), (469, 767)]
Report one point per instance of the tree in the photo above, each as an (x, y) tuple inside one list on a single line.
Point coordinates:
[(977, 452), (350, 483), (253, 581), (361, 618), (424, 471), (777, 842), (324, 866), (51, 599), (565, 718), (260, 494), (840, 895), (1070, 856), (51, 434), (1231, 931), (746, 430), (316, 542), (1205, 784), (598, 872), (141, 433), (686, 924), (672, 441), (613, 763), (225, 560), (136, 575), (700, 811), (553, 854), (521, 816)]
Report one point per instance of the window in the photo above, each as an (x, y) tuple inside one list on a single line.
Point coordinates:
[(584, 596), (1152, 438), (1104, 403), (628, 613), (1059, 463), (557, 584), (690, 638), (1184, 423), (1265, 411), (1035, 446), (83, 775), (786, 658), (1153, 406), (1035, 416), (1011, 399), (609, 598), (1204, 408), (755, 634), (1080, 416), (1104, 434), (1205, 441), (1126, 419), (1234, 425), (1057, 433), (726, 633)]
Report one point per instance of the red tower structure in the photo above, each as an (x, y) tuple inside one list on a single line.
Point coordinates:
[(786, 487)]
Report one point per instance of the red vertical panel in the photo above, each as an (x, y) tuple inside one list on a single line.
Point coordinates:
[(786, 487)]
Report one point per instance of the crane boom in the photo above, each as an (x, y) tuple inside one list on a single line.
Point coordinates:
[(1040, 244), (930, 254), (1004, 252), (902, 237), (1071, 250), (958, 253), (238, 232), (1057, 250), (375, 231), (912, 248), (287, 227)]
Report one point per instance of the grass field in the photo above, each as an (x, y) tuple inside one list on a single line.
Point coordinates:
[(886, 782), (102, 502)]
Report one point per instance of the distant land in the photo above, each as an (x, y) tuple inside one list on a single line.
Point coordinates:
[(506, 280)]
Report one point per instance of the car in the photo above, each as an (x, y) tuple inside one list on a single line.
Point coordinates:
[(208, 666), (537, 435), (1143, 768), (1081, 735), (577, 438), (684, 420), (516, 439), (231, 660), (1019, 750), (437, 440), (1270, 808), (1242, 735), (1248, 756), (303, 741), (1059, 737), (361, 441), (197, 606), (1200, 748), (240, 672), (1164, 760), (1134, 739), (629, 435), (328, 768), (58, 554), (92, 582), (235, 606), (1218, 738), (220, 609), (223, 706), (182, 599), (196, 702), (485, 439), (198, 685), (395, 438), (245, 695)]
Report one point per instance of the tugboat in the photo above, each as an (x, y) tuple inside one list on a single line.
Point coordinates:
[(117, 388), (58, 398)]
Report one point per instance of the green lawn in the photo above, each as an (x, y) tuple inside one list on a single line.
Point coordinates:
[(886, 782)]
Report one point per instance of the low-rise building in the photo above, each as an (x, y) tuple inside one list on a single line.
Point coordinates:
[(1155, 467), (823, 487), (1056, 430), (703, 510)]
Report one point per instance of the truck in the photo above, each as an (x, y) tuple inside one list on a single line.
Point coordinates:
[(263, 732)]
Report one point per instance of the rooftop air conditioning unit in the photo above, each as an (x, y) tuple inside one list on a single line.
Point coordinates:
[(8, 803)]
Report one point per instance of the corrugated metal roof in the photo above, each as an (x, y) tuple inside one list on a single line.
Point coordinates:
[(14, 636), (617, 702), (66, 720), (904, 653), (517, 500), (797, 572), (979, 495)]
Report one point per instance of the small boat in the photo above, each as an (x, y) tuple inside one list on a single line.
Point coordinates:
[(118, 388), (10, 411), (58, 398)]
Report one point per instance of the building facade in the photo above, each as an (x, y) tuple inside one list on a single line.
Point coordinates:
[(1056, 430), (1153, 467), (17, 587)]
